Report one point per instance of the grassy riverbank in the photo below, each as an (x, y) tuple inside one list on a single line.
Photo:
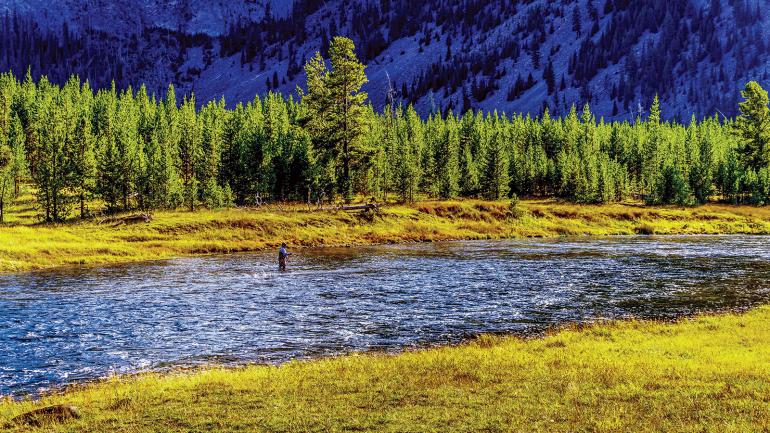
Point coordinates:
[(27, 246), (708, 374)]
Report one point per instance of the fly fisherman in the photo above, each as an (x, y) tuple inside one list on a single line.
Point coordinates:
[(282, 255)]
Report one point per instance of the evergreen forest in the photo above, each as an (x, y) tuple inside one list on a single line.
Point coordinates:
[(86, 150)]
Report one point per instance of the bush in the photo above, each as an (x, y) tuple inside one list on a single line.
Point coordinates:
[(514, 209), (214, 196)]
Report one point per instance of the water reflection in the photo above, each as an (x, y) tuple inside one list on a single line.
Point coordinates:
[(58, 327)]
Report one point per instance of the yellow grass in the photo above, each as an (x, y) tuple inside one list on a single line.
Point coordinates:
[(708, 374), (27, 246)]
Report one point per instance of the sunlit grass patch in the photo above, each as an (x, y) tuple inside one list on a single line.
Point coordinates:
[(26, 244)]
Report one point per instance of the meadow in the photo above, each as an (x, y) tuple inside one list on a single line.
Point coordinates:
[(705, 374), (26, 244), (708, 373)]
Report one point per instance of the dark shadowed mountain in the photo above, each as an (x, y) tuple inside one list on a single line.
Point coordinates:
[(513, 56)]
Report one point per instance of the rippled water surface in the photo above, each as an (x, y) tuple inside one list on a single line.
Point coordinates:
[(60, 327)]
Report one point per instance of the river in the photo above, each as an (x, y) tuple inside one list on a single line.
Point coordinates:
[(60, 327)]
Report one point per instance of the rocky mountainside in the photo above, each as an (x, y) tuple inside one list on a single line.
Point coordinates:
[(513, 56)]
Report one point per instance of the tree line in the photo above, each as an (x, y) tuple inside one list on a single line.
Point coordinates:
[(124, 150)]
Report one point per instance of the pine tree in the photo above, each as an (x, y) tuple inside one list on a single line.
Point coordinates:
[(495, 180), (753, 127), (128, 151), (446, 158), (110, 174), (577, 20), (470, 135), (16, 144), (84, 161), (212, 119), (53, 171), (302, 169), (336, 110), (413, 142), (234, 172), (405, 154), (587, 188), (6, 176), (702, 171), (28, 108), (652, 162), (189, 151)]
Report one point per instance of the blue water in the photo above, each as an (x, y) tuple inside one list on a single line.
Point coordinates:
[(66, 326)]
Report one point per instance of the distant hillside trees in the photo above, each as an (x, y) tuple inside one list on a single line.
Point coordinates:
[(690, 53)]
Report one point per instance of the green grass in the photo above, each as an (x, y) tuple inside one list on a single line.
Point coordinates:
[(25, 245), (707, 374)]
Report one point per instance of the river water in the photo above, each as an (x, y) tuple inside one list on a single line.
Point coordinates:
[(66, 326)]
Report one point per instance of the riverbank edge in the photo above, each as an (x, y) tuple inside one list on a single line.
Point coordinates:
[(704, 371), (174, 234)]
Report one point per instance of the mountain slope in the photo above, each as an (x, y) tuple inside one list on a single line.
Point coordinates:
[(513, 56)]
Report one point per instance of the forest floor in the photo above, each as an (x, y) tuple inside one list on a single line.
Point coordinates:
[(28, 245), (705, 374)]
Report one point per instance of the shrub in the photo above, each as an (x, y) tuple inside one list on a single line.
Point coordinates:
[(514, 209)]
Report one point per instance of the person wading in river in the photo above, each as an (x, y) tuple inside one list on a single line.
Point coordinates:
[(282, 255)]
